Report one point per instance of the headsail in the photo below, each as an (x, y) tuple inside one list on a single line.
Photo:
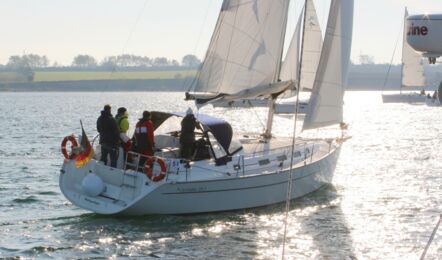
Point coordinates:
[(331, 78), (413, 74), (244, 55)]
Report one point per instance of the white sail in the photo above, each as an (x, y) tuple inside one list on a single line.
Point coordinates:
[(413, 74), (311, 51), (245, 52), (331, 78), (290, 66)]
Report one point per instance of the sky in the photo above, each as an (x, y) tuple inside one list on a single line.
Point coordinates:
[(62, 29)]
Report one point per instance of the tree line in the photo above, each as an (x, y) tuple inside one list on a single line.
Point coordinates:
[(31, 62)]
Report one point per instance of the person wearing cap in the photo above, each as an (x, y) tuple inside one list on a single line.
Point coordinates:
[(144, 136), (109, 136), (187, 137)]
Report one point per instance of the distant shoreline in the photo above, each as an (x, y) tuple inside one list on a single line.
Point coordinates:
[(157, 85)]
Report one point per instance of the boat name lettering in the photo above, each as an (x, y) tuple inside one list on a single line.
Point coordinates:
[(417, 30)]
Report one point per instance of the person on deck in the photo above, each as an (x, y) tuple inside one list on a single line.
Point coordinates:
[(187, 137), (109, 136), (144, 136), (122, 119)]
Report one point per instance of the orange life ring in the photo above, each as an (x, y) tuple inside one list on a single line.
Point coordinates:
[(147, 169), (74, 144)]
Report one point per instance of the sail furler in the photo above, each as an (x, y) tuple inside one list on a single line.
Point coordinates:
[(245, 49)]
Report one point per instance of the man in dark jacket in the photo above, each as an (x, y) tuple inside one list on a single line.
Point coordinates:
[(109, 136), (187, 137)]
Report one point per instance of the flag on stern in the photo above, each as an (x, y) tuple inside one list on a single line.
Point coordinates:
[(86, 151)]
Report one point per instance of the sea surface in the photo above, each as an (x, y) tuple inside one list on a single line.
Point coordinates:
[(384, 202)]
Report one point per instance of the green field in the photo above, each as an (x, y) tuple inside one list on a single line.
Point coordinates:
[(88, 75)]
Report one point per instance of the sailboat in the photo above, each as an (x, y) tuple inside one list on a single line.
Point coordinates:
[(412, 74), (312, 42), (230, 171)]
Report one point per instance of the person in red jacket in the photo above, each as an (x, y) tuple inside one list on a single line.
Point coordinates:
[(144, 136)]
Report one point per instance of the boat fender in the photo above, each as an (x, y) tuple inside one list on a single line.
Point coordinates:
[(74, 144), (92, 185), (148, 165)]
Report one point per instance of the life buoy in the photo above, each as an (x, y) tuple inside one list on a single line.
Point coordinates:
[(148, 168), (71, 155)]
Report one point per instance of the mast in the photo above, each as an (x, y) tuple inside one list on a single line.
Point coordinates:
[(272, 101), (301, 57)]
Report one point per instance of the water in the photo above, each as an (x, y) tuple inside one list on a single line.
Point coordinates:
[(384, 202)]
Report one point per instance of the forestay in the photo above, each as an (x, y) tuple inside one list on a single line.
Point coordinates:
[(328, 90), (413, 74), (245, 51)]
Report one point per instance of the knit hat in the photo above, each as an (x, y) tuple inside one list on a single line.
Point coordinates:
[(146, 115), (189, 111), (121, 110)]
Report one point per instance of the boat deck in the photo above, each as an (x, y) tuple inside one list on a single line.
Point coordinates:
[(253, 145)]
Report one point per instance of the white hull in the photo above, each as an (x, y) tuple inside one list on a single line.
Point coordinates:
[(404, 98), (132, 193)]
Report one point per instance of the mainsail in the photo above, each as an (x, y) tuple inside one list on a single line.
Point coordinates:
[(311, 52), (413, 74), (290, 66), (331, 78), (244, 56)]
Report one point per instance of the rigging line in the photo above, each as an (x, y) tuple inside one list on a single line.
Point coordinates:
[(129, 36), (196, 47), (256, 113), (392, 58), (431, 238), (290, 181)]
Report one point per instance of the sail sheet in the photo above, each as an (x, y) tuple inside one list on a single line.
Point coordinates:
[(245, 51), (413, 74), (331, 78)]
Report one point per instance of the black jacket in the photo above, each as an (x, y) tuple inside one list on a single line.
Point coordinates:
[(188, 125), (108, 129)]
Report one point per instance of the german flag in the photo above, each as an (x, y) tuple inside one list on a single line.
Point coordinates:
[(86, 151)]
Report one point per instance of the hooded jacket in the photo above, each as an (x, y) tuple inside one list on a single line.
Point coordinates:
[(123, 122), (108, 129)]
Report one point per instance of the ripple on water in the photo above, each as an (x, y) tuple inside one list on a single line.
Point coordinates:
[(47, 193), (27, 200)]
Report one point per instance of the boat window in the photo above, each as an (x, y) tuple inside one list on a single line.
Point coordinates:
[(235, 146), (216, 147)]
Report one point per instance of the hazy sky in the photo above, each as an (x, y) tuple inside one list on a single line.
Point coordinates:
[(62, 29)]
